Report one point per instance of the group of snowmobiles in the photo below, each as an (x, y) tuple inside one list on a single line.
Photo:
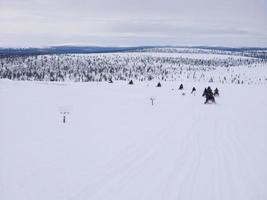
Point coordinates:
[(208, 93)]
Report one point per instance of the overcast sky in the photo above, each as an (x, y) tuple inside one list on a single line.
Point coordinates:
[(133, 22)]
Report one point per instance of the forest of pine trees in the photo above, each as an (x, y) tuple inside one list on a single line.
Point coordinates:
[(106, 67)]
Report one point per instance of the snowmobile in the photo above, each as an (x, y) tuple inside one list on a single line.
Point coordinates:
[(209, 98)]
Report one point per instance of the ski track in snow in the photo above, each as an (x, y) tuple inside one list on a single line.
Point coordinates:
[(115, 145)]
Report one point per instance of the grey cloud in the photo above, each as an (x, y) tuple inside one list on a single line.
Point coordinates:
[(173, 27), (136, 21)]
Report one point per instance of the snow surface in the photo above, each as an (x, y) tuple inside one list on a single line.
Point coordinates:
[(116, 146)]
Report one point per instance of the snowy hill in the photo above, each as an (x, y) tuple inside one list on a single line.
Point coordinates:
[(141, 66), (116, 145)]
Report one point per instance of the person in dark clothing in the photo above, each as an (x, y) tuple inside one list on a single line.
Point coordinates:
[(204, 92), (209, 90), (181, 87), (131, 82), (216, 92), (193, 90), (159, 84)]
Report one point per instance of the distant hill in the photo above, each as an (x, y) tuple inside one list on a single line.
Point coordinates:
[(245, 51), (63, 50)]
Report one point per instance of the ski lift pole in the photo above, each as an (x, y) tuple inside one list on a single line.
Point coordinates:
[(64, 115), (152, 99), (64, 112)]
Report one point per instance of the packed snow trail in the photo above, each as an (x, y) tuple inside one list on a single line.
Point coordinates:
[(116, 145)]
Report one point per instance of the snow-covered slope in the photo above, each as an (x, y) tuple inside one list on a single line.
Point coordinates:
[(141, 66), (116, 146)]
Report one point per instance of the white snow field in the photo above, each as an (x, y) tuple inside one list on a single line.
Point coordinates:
[(116, 146)]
